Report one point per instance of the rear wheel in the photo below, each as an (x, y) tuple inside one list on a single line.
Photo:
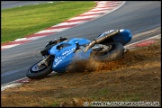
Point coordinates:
[(37, 72), (114, 51)]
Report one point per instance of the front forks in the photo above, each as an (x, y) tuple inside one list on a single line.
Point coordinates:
[(45, 61)]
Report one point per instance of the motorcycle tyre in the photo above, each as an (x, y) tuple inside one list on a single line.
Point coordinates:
[(116, 52), (39, 74)]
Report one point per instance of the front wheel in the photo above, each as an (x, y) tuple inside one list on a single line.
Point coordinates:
[(114, 51), (37, 72)]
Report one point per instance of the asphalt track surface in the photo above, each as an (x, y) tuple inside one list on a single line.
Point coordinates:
[(12, 4), (137, 16)]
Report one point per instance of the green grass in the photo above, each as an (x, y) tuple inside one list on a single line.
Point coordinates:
[(22, 21), (131, 97), (55, 104), (106, 94), (100, 93)]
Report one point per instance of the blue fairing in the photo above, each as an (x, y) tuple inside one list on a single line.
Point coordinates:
[(80, 41), (81, 55), (123, 37), (65, 55)]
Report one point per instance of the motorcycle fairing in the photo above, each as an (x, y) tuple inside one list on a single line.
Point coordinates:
[(123, 37), (64, 53), (80, 41), (81, 55)]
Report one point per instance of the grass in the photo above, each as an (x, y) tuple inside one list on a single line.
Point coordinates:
[(55, 104), (131, 97), (99, 94), (22, 21)]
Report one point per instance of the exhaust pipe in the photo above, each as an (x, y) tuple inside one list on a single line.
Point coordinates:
[(99, 40)]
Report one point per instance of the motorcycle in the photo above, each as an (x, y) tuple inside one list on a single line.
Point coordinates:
[(59, 54)]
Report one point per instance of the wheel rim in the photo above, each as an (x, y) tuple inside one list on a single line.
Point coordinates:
[(111, 47), (37, 68)]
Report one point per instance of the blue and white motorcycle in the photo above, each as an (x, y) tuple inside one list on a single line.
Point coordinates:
[(59, 54)]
